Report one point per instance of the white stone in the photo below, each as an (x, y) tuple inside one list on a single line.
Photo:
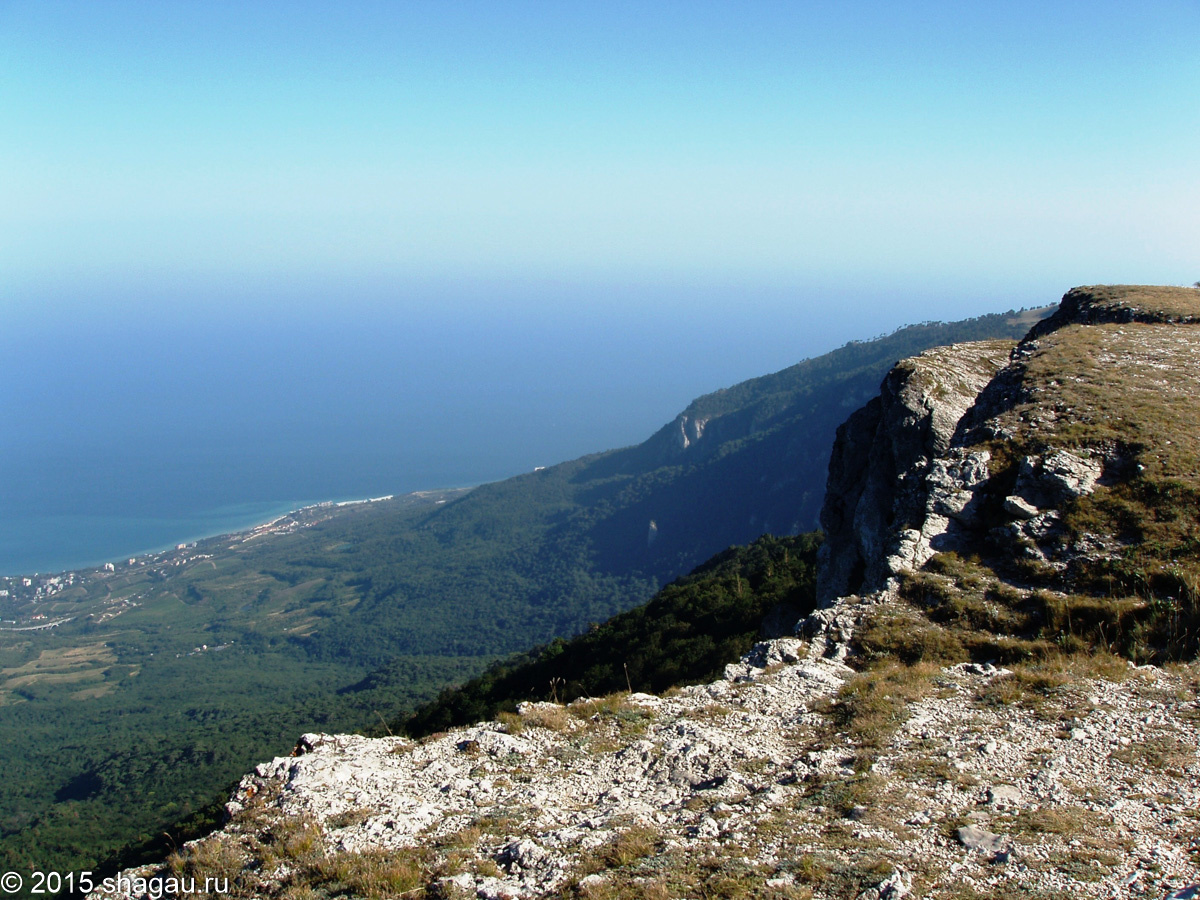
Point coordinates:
[(1020, 507)]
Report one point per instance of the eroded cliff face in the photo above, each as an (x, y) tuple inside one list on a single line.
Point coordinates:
[(886, 460), (981, 451), (669, 442)]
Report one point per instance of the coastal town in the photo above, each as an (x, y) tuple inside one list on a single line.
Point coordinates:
[(104, 634), (97, 594)]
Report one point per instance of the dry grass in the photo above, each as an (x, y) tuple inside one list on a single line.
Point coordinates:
[(373, 874), (350, 817), (631, 845), (1047, 684), (598, 706), (716, 875), (615, 712), (550, 716), (899, 632), (1164, 752), (268, 853), (873, 704), (1166, 300), (292, 840), (513, 723), (839, 794), (215, 860), (957, 610), (712, 712), (1059, 820)]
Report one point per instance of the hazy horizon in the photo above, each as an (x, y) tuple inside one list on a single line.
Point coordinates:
[(144, 433), (252, 253)]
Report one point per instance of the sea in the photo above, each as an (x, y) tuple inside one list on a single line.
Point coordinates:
[(129, 428)]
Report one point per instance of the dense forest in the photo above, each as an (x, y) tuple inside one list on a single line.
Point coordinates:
[(686, 634)]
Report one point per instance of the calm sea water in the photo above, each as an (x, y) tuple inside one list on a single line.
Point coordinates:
[(133, 432)]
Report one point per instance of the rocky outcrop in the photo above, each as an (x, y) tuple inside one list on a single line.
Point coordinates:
[(739, 781), (1121, 304), (893, 486), (914, 472), (674, 438)]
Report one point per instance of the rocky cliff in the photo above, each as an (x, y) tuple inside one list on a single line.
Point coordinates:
[(1068, 465), (878, 518), (997, 698)]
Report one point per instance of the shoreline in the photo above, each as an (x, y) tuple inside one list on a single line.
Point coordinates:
[(194, 534), (260, 525)]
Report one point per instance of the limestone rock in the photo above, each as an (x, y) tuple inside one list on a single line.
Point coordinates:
[(1004, 795), (1020, 508), (879, 490), (974, 838), (1056, 478)]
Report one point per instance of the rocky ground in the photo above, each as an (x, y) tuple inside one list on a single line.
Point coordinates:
[(984, 786)]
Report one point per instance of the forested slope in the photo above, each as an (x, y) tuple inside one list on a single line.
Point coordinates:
[(542, 555), (686, 634)]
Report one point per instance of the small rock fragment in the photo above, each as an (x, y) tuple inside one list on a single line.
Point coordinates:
[(1020, 508), (975, 838), (1004, 795)]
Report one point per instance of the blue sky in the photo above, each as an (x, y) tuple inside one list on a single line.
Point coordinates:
[(266, 154), (255, 252)]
